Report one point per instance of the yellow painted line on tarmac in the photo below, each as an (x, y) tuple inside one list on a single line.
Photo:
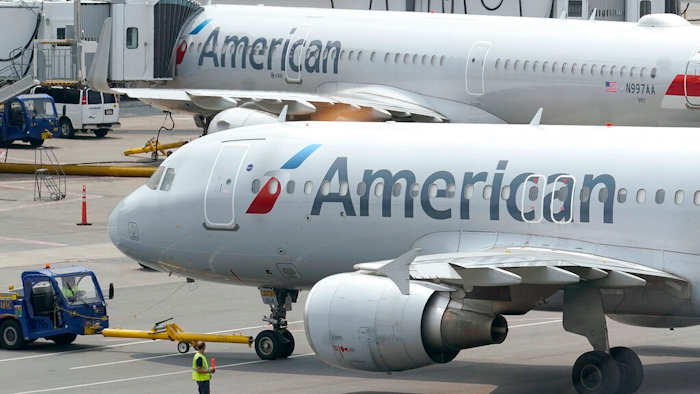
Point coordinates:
[(91, 170)]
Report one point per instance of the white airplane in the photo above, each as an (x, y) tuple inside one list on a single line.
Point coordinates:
[(364, 65), (449, 227)]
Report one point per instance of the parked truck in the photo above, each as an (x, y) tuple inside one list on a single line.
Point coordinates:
[(55, 304), (29, 118)]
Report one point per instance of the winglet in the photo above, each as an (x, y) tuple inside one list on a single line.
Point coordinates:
[(538, 117), (398, 270), (283, 115), (563, 15), (97, 75), (592, 18)]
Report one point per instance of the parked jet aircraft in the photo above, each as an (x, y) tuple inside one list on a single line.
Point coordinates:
[(449, 227), (363, 65)]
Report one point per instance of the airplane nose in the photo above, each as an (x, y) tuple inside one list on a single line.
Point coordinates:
[(113, 224)]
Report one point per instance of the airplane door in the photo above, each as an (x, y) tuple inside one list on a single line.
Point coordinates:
[(562, 197), (692, 79), (532, 198), (475, 68), (219, 195), (296, 53)]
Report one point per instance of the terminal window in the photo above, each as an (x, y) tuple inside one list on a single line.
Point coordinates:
[(132, 37)]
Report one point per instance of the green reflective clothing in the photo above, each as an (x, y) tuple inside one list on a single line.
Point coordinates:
[(205, 365)]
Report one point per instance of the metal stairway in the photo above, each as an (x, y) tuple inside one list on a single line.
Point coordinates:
[(44, 174), (19, 87)]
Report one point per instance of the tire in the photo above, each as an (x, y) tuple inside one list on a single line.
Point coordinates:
[(288, 342), (631, 369), (183, 347), (66, 128), (269, 345), (11, 336), (63, 339), (99, 133), (154, 156), (36, 142), (596, 372)]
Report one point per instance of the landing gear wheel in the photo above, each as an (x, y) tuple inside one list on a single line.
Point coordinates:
[(36, 142), (269, 345), (288, 345), (631, 369), (154, 156), (64, 339), (596, 372), (11, 337), (66, 128), (99, 133), (183, 347)]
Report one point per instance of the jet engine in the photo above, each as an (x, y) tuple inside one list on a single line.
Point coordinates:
[(239, 117), (363, 322)]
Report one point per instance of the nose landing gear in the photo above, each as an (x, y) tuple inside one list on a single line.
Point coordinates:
[(278, 342)]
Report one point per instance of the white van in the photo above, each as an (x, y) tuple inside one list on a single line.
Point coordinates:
[(83, 110)]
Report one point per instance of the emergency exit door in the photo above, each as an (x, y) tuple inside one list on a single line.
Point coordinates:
[(692, 79), (475, 68)]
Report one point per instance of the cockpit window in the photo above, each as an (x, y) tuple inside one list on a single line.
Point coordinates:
[(168, 179), (154, 180)]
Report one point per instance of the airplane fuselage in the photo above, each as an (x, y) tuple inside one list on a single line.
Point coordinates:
[(467, 68)]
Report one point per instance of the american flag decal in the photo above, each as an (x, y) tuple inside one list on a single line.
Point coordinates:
[(611, 87)]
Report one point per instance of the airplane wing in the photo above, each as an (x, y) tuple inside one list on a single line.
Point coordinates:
[(522, 265), (333, 101)]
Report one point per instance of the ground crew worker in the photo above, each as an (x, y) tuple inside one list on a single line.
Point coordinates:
[(70, 291), (201, 373)]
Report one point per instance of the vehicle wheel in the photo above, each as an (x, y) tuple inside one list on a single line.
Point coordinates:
[(288, 341), (36, 142), (183, 347), (11, 337), (168, 153), (596, 372), (631, 369), (268, 345), (154, 156), (63, 339), (99, 133), (66, 128)]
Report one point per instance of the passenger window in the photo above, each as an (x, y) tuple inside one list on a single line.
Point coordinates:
[(613, 70), (505, 192), (585, 194), (603, 195), (573, 68), (256, 186), (132, 38), (623, 71), (415, 190), (154, 180), (498, 63), (507, 66), (622, 196), (361, 188), (533, 193), (415, 59), (653, 73), (274, 186), (386, 58), (584, 67), (433, 191), (641, 196), (545, 66), (633, 71), (396, 190), (603, 69), (308, 187), (405, 58), (325, 188), (425, 60), (397, 57), (359, 56), (680, 196), (564, 68), (379, 189), (168, 179), (343, 188), (594, 69), (555, 67), (660, 196), (487, 192), (451, 189), (290, 187), (535, 65), (350, 55), (469, 192), (516, 65), (526, 65), (643, 72), (696, 198), (94, 97), (563, 193)]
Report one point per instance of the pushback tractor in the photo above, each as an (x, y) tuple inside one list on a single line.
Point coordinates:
[(55, 304), (29, 118)]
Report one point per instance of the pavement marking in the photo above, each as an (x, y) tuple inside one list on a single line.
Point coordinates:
[(30, 241), (130, 361), (148, 376), (127, 344), (536, 324)]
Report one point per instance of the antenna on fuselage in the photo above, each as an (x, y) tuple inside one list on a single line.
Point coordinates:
[(283, 115), (593, 13), (538, 117)]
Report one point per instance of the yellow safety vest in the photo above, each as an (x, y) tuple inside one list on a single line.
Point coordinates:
[(196, 375)]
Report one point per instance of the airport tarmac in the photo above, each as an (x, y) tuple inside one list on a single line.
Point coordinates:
[(536, 357)]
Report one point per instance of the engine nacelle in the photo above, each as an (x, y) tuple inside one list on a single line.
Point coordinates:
[(239, 117), (363, 322)]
